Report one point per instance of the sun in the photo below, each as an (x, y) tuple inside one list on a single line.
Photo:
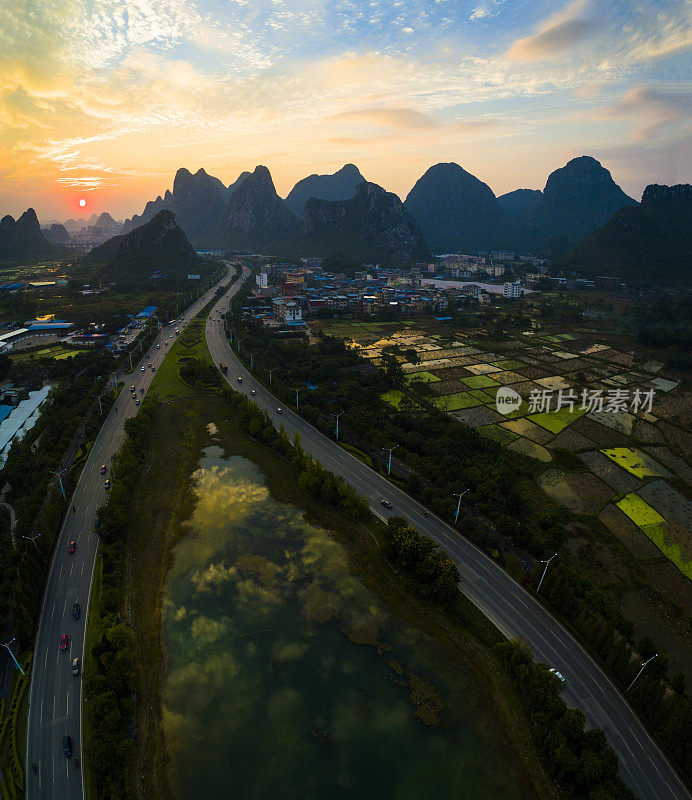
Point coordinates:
[(82, 202)]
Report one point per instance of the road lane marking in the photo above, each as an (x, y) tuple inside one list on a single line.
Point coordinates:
[(55, 697), (60, 576), (53, 610)]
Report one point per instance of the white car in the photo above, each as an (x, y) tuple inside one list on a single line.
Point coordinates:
[(557, 674)]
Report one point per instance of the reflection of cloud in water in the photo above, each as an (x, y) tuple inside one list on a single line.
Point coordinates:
[(206, 631), (213, 577), (291, 651)]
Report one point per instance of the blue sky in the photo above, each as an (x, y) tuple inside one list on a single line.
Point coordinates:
[(105, 99)]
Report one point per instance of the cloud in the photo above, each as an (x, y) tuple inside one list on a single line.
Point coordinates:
[(408, 119), (556, 35), (651, 109)]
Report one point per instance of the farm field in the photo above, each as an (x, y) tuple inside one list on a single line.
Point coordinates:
[(626, 467)]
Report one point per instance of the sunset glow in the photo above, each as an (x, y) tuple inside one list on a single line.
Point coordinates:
[(115, 95)]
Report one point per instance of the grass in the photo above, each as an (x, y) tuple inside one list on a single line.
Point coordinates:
[(557, 421), (479, 381), (190, 344), (456, 401), (359, 454), (635, 462), (425, 377), (656, 529), (497, 434), (94, 633), (393, 396), (13, 737)]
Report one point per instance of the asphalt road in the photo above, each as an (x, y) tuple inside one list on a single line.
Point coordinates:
[(55, 695), (513, 610)]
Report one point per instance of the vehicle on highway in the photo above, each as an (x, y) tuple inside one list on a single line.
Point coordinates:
[(76, 611), (141, 391), (136, 402), (133, 388), (103, 469), (158, 346), (75, 666), (278, 410), (386, 503), (149, 364), (64, 641), (97, 522), (557, 674), (252, 391), (72, 546), (67, 746), (240, 380), (143, 369), (107, 484)]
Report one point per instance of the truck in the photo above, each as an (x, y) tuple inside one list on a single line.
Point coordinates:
[(223, 369)]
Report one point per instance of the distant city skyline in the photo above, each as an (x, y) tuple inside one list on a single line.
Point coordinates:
[(105, 104)]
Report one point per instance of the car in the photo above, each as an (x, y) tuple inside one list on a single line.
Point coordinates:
[(557, 674), (103, 469), (158, 346), (133, 388), (141, 391), (97, 522), (143, 369), (64, 641), (149, 364), (386, 503), (107, 484), (67, 745), (76, 611), (75, 666), (252, 391), (72, 546), (278, 410), (240, 380), (136, 402)]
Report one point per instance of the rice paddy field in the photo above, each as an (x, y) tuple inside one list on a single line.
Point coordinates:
[(629, 467)]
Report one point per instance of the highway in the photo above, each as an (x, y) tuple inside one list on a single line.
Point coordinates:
[(55, 695), (510, 607)]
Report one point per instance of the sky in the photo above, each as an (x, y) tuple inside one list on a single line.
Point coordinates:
[(103, 100)]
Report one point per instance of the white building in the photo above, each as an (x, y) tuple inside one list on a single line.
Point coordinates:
[(512, 290), (262, 280)]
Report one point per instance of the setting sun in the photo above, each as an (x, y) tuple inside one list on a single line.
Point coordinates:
[(82, 202)]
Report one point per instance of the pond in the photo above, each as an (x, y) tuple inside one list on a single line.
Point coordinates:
[(287, 678)]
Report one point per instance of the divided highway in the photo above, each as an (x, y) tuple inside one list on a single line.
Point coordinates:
[(55, 695), (513, 610)]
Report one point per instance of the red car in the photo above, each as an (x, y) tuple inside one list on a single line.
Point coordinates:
[(103, 469), (72, 546), (64, 641)]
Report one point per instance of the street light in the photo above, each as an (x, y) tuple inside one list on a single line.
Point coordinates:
[(270, 375), (544, 571), (640, 671), (32, 538), (59, 474), (251, 357), (299, 389), (6, 645), (98, 397), (336, 432), (456, 515), (390, 450)]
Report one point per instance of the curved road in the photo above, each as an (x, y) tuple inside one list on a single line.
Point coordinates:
[(513, 610), (55, 695)]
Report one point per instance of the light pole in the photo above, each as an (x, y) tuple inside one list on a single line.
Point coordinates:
[(456, 515), (59, 474), (6, 645), (237, 344), (270, 375), (32, 538), (115, 378), (299, 389), (544, 571), (336, 432), (251, 357), (131, 367), (390, 450), (98, 397), (641, 670)]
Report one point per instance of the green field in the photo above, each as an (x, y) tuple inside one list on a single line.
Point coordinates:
[(423, 377), (393, 396), (479, 381), (456, 401), (636, 462), (656, 529), (497, 434), (556, 421)]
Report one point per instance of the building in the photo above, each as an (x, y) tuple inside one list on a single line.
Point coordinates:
[(262, 280), (603, 283), (512, 290), (287, 310), (147, 312)]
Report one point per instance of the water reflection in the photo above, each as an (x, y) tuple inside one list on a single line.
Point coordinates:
[(287, 678)]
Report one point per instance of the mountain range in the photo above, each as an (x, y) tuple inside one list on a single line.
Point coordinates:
[(23, 238), (641, 242), (341, 185), (158, 245)]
